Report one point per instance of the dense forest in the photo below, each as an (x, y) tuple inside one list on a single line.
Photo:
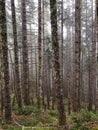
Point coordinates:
[(48, 64)]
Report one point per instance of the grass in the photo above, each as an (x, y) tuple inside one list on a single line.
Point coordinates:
[(83, 117), (30, 116), (11, 127)]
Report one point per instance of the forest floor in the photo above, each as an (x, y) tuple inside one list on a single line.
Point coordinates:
[(31, 118)]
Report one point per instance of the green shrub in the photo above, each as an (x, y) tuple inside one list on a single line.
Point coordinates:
[(24, 111), (86, 116), (9, 127), (30, 122), (52, 113)]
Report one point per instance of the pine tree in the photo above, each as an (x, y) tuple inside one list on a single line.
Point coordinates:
[(17, 80), (77, 54), (39, 54), (25, 55), (56, 64), (3, 41)]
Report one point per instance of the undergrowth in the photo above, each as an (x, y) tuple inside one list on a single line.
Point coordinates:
[(30, 116), (83, 117)]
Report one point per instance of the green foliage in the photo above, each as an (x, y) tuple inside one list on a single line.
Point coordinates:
[(52, 113), (40, 128), (31, 116), (80, 128), (10, 127), (84, 116), (31, 122), (23, 111)]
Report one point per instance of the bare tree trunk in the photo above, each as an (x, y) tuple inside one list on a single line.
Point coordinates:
[(56, 64), (17, 80), (97, 52), (1, 81), (77, 54), (92, 69), (43, 57), (25, 55), (39, 54), (3, 36)]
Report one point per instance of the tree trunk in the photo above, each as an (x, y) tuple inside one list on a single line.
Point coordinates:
[(56, 64), (77, 54), (3, 37), (39, 54), (25, 55), (17, 80)]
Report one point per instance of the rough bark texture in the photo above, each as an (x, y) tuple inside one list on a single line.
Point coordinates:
[(61, 46), (17, 80), (77, 54), (92, 65), (97, 51), (39, 54), (43, 56), (3, 40), (1, 80), (56, 64), (25, 55)]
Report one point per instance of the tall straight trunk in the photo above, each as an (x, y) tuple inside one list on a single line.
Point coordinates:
[(48, 81), (68, 75), (39, 53), (96, 37), (86, 24), (92, 69), (1, 81), (56, 64), (43, 57), (77, 54), (3, 37), (25, 55), (17, 80), (61, 61), (36, 71), (97, 51)]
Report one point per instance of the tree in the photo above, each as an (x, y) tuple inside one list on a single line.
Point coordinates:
[(39, 53), (56, 64), (25, 55), (3, 40), (92, 85), (17, 79), (77, 54)]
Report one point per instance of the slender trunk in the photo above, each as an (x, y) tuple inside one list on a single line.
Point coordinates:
[(91, 70), (43, 58), (39, 54), (17, 80), (25, 55)]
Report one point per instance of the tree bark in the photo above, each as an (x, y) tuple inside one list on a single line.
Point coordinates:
[(39, 54), (56, 64), (3, 40), (17, 80), (77, 54), (25, 55)]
